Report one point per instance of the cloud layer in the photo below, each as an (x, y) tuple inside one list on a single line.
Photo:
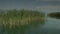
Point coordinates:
[(47, 0), (49, 8)]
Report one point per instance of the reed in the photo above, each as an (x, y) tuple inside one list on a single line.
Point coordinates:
[(16, 19)]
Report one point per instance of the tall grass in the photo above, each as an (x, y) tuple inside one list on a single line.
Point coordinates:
[(18, 19)]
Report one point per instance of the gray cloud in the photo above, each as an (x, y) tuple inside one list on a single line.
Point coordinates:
[(47, 0), (49, 8)]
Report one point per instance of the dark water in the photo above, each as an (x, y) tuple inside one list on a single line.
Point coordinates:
[(51, 26)]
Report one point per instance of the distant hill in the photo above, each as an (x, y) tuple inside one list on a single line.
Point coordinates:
[(54, 15)]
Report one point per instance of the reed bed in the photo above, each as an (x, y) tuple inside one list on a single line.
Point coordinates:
[(17, 19)]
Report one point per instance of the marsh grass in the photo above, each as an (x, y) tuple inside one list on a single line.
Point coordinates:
[(18, 21)]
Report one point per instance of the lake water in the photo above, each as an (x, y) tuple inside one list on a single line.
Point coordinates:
[(51, 26)]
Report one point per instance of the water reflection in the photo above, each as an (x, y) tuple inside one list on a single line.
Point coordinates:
[(33, 29), (26, 29), (51, 26)]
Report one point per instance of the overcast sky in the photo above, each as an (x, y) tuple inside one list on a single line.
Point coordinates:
[(30, 4)]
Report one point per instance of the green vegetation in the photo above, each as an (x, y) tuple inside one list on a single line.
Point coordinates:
[(55, 15), (14, 20)]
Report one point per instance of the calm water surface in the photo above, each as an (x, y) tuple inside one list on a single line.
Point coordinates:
[(51, 26)]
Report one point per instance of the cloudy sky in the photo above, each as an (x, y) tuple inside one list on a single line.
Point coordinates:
[(45, 5)]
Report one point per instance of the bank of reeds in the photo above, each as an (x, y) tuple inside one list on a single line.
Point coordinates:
[(17, 18)]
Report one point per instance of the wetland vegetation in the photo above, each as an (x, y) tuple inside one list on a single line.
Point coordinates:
[(17, 21), (54, 15)]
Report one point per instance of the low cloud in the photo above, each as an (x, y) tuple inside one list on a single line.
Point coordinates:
[(47, 0), (48, 8)]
